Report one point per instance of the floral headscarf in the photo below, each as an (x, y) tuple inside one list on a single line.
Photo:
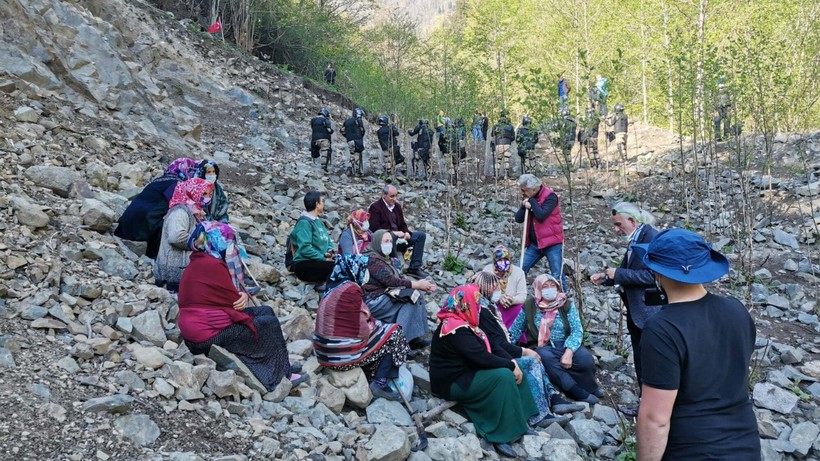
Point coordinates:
[(189, 193), (219, 241), (347, 268), (462, 310), (362, 237), (501, 261), (549, 309), (183, 168)]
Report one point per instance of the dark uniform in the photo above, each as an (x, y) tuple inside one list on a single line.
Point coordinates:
[(353, 131), (320, 143), (503, 135), (424, 141), (526, 140), (388, 136), (620, 123), (588, 136)]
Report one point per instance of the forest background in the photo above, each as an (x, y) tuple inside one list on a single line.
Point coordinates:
[(663, 58)]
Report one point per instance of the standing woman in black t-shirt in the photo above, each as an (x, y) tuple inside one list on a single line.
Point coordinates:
[(696, 351)]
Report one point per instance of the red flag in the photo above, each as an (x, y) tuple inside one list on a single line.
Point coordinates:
[(215, 27)]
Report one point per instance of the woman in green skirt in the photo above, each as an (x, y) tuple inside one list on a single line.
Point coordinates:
[(491, 389)]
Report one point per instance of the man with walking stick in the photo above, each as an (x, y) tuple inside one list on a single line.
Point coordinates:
[(540, 211)]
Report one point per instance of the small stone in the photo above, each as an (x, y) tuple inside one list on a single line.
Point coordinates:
[(778, 301), (26, 114), (812, 368), (329, 395), (68, 364), (130, 379), (27, 213), (109, 404), (223, 383), (774, 398), (605, 414), (6, 358), (785, 238), (303, 347), (57, 412), (139, 429), (48, 324), (15, 261), (790, 265), (148, 327), (388, 443), (803, 436), (588, 433), (354, 385), (163, 388), (149, 357)]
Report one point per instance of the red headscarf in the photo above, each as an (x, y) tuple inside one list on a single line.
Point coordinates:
[(189, 193), (462, 311), (361, 237)]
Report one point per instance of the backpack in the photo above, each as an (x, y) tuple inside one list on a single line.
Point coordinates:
[(289, 249)]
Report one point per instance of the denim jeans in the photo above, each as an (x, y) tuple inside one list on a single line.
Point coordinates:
[(554, 256), (477, 135)]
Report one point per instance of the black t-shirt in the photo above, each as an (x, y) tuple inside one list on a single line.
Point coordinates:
[(702, 349)]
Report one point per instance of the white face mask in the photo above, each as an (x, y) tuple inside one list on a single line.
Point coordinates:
[(549, 293), (366, 226), (496, 296), (387, 248), (211, 178)]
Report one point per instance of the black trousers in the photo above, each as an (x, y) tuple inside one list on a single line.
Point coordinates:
[(635, 336), (314, 271)]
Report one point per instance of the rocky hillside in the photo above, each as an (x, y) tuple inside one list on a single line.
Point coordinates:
[(95, 98)]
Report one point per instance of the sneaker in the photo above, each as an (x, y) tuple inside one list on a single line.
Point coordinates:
[(297, 379), (562, 406), (384, 392), (504, 449), (417, 273), (547, 421), (598, 392), (591, 399)]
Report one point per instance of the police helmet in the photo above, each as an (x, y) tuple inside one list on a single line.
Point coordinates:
[(357, 112), (424, 121), (324, 112), (526, 120), (447, 121), (565, 112), (619, 107), (383, 120)]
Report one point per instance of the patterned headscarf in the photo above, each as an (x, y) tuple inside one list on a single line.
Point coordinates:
[(189, 193), (362, 237), (462, 310), (549, 309), (219, 241), (502, 264), (347, 268), (485, 282), (202, 168), (183, 168)]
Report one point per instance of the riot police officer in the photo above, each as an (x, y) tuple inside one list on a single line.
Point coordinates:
[(353, 131), (388, 136), (424, 141), (321, 129), (526, 140)]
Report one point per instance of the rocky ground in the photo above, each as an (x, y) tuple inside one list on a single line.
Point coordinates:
[(96, 97)]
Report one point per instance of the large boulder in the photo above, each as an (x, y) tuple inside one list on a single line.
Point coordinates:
[(354, 385), (59, 179), (139, 429), (389, 443), (97, 216), (27, 213)]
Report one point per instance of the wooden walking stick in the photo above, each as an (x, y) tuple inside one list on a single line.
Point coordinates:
[(524, 237), (355, 245)]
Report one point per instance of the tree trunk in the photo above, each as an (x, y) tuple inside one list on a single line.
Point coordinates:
[(670, 102), (700, 94)]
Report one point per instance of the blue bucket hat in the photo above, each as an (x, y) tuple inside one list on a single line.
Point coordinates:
[(683, 256)]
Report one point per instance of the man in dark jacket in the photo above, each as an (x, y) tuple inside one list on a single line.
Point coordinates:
[(503, 135), (386, 213), (388, 136), (330, 74), (527, 139), (424, 142), (321, 129), (632, 277), (353, 131)]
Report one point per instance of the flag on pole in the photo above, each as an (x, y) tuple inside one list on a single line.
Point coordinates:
[(215, 27)]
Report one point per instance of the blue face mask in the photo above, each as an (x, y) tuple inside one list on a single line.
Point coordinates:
[(205, 201)]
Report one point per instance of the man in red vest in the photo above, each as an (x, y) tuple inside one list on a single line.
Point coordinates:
[(544, 229)]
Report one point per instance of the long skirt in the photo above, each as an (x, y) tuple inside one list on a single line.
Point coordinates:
[(508, 315), (266, 355), (395, 346), (540, 386), (411, 317), (497, 406)]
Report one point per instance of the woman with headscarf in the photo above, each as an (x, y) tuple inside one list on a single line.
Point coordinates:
[(213, 309), (546, 397), (513, 284), (552, 326), (348, 336), (217, 210), (491, 389), (185, 210), (142, 220), (356, 236), (392, 298)]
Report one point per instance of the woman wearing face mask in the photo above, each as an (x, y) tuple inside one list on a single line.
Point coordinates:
[(348, 336), (214, 311), (355, 238), (384, 278), (528, 360), (217, 210), (513, 283), (185, 210), (553, 328)]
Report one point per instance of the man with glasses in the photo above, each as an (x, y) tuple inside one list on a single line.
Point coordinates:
[(632, 277), (386, 213)]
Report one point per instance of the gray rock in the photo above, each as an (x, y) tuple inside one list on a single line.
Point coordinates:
[(449, 449), (561, 450), (97, 216), (785, 238), (282, 390), (109, 404), (791, 355), (164, 388), (611, 362), (41, 390), (763, 274), (6, 358), (814, 390), (354, 385), (774, 398), (27, 213), (768, 453), (26, 114), (32, 312), (68, 364), (421, 377), (130, 379), (149, 357), (790, 265), (389, 443), (139, 429), (605, 414), (330, 396), (778, 301), (303, 347), (223, 384), (188, 379), (803, 436), (60, 180), (388, 411), (760, 293), (148, 327), (114, 264), (808, 319), (588, 433)]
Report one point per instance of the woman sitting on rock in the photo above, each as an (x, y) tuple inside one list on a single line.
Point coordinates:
[(553, 329), (185, 210), (355, 238), (546, 397), (493, 390), (213, 311), (347, 335), (217, 210), (142, 220), (513, 283), (392, 298)]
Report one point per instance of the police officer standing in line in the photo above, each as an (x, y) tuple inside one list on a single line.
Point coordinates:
[(388, 136), (321, 129), (353, 131), (526, 140)]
